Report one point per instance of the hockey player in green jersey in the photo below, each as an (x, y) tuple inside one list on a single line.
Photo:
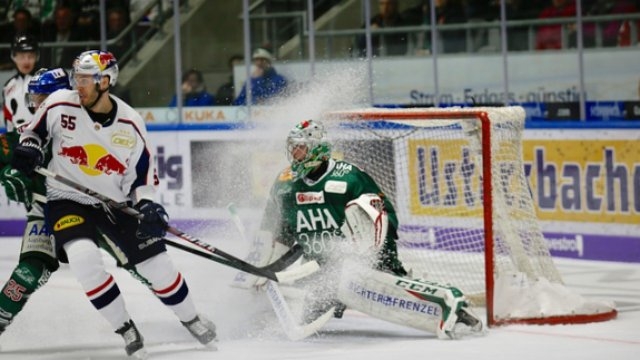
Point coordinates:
[(308, 200), (37, 256), (324, 204)]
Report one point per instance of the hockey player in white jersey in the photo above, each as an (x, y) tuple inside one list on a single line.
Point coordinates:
[(100, 142), (319, 202), (24, 54)]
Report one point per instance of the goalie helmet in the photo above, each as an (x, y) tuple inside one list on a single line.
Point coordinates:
[(96, 63), (307, 147)]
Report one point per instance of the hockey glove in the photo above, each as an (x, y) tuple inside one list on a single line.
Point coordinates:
[(154, 220), (27, 156), (16, 185)]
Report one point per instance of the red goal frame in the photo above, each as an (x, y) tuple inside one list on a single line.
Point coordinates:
[(485, 126)]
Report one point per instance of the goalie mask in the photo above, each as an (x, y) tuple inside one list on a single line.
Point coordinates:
[(307, 147)]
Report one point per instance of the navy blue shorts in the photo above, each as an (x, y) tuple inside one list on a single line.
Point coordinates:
[(69, 220)]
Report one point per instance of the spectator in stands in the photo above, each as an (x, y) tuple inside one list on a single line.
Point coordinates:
[(550, 36), (447, 12), (227, 92), (117, 21), (194, 92), (88, 14), (88, 17), (22, 24), (387, 44), (609, 30), (41, 10), (518, 37), (266, 83), (63, 30), (624, 34)]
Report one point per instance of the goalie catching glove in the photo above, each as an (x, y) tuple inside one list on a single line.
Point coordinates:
[(366, 221)]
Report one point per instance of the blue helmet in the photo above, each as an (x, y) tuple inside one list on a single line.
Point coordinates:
[(42, 84), (46, 81)]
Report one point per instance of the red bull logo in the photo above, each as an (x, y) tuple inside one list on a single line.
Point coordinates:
[(103, 59), (93, 159), (76, 154), (109, 164)]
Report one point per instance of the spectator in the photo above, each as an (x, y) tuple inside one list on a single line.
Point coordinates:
[(387, 44), (22, 24), (194, 92), (447, 12), (518, 37), (41, 10), (266, 83), (88, 17), (550, 36), (63, 30), (609, 30), (226, 92), (117, 21)]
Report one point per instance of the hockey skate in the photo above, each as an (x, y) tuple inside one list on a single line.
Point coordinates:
[(203, 330), (466, 324), (132, 340)]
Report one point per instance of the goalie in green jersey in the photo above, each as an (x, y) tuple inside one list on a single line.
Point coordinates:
[(324, 204), (309, 201)]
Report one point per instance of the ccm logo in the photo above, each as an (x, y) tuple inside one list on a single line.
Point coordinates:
[(310, 198)]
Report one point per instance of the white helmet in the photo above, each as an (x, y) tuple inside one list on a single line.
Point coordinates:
[(98, 64), (313, 136)]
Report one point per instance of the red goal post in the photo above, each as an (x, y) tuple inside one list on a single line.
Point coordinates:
[(456, 177)]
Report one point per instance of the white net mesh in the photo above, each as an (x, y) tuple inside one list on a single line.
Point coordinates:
[(430, 163)]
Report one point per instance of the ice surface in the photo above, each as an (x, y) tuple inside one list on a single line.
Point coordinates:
[(60, 323)]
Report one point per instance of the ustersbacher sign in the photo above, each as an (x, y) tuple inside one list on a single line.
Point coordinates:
[(585, 183)]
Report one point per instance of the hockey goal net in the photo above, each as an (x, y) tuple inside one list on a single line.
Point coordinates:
[(467, 217)]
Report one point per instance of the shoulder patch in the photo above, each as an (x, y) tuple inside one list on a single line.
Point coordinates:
[(335, 187), (286, 175)]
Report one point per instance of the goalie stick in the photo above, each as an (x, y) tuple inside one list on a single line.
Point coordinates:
[(281, 308), (270, 271)]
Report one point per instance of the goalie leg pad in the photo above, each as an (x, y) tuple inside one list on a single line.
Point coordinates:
[(420, 304)]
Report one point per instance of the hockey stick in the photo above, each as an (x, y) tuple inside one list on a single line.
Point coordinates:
[(292, 329), (228, 259), (273, 271)]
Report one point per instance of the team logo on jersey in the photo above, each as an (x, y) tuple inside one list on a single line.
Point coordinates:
[(67, 222), (123, 140), (103, 59), (311, 197), (93, 159), (335, 187)]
